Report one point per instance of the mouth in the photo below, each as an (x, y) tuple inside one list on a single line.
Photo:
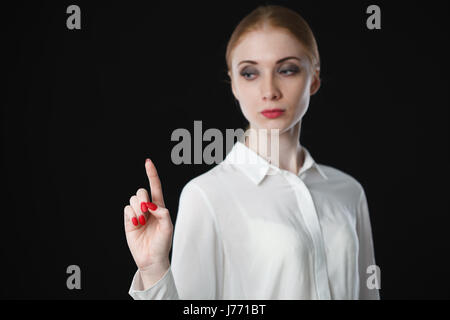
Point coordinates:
[(272, 113)]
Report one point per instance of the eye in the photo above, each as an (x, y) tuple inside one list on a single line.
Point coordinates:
[(289, 70), (248, 74)]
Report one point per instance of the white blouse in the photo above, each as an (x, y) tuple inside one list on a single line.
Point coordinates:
[(246, 229)]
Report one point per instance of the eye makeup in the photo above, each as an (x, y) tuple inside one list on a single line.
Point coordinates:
[(290, 68), (248, 71)]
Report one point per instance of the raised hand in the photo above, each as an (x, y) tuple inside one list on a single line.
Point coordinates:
[(148, 228)]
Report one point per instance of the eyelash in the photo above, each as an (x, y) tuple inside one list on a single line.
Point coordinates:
[(292, 70)]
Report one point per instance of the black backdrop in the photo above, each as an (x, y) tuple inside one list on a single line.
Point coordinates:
[(83, 108)]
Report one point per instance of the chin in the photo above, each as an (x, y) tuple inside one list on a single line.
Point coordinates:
[(271, 124)]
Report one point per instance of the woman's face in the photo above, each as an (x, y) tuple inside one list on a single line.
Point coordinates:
[(270, 69)]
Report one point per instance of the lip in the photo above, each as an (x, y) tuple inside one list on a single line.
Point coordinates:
[(272, 113)]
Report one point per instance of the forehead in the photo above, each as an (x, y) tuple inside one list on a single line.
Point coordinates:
[(267, 46)]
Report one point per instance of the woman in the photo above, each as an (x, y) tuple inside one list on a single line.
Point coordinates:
[(296, 230)]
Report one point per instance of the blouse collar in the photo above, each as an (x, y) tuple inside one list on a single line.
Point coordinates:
[(256, 167)]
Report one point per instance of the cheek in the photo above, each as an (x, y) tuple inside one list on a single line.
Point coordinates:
[(248, 94), (296, 91), (297, 95)]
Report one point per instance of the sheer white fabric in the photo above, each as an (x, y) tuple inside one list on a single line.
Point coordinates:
[(246, 229)]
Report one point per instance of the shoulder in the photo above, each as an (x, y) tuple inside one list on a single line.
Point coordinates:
[(212, 178), (202, 195), (209, 183), (342, 184)]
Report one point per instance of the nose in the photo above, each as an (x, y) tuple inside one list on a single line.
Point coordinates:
[(269, 89)]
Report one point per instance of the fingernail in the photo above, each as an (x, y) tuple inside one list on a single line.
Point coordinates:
[(147, 160), (134, 220), (142, 220), (151, 205), (144, 208)]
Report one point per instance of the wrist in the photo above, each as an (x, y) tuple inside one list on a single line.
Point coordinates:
[(153, 273)]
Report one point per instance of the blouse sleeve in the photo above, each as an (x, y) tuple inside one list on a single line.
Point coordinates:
[(366, 251), (196, 269)]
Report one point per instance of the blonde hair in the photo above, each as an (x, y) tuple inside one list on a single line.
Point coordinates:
[(278, 17)]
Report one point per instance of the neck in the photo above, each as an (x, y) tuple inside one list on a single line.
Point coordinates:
[(291, 154)]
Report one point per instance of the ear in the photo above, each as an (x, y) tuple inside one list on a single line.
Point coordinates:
[(315, 83), (232, 86)]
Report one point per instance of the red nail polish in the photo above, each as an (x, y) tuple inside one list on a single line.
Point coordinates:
[(142, 220), (134, 220), (144, 207), (151, 206)]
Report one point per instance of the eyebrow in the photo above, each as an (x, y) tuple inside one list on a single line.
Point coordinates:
[(279, 61)]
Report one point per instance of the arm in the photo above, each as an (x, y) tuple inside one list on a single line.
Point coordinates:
[(196, 271), (366, 256)]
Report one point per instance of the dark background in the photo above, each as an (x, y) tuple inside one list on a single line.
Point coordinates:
[(83, 108)]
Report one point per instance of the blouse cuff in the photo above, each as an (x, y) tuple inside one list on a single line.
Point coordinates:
[(163, 289)]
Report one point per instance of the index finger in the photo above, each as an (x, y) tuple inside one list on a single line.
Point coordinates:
[(155, 184)]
